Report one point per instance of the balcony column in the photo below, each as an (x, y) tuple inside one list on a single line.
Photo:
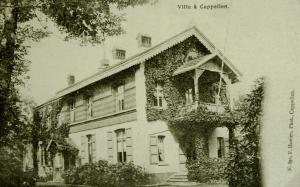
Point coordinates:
[(198, 73)]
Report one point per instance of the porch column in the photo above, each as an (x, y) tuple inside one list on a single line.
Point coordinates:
[(198, 73)]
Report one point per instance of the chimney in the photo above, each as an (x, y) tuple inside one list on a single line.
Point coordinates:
[(71, 80), (144, 40)]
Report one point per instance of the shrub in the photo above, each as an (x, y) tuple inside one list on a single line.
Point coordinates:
[(11, 170), (105, 174), (207, 170)]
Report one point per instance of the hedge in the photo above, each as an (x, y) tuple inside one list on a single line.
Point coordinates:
[(106, 174)]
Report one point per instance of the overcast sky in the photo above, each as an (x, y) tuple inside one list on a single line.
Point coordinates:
[(259, 37), (238, 32)]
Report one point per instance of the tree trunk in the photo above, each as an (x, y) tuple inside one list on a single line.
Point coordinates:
[(231, 182), (35, 145), (7, 53)]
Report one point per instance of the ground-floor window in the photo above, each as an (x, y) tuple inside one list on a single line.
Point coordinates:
[(161, 148), (157, 149), (121, 145)]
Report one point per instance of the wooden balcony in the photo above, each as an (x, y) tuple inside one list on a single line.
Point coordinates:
[(211, 107)]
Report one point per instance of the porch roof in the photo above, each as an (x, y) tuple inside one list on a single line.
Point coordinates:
[(199, 63), (193, 64)]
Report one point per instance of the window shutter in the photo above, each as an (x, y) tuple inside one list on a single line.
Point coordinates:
[(110, 146), (226, 142), (83, 149), (153, 150), (129, 154), (93, 147)]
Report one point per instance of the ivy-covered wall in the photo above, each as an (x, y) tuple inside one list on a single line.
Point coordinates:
[(160, 69)]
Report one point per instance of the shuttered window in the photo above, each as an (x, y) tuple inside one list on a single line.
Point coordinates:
[(161, 148), (83, 149), (72, 111), (110, 145), (129, 151), (120, 98), (153, 150), (89, 107), (91, 148), (121, 145)]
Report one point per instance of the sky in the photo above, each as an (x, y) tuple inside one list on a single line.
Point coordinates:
[(258, 37), (53, 58)]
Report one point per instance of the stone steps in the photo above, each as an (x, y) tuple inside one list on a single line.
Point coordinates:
[(180, 179)]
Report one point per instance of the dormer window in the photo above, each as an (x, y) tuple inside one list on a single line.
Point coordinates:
[(144, 41), (119, 54)]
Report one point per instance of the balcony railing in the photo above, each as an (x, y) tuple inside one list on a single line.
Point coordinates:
[(212, 107)]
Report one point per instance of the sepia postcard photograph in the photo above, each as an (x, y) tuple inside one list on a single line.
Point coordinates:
[(149, 93)]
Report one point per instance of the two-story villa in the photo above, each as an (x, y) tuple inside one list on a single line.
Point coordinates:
[(121, 113)]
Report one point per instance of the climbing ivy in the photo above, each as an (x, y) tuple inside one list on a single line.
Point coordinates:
[(160, 69)]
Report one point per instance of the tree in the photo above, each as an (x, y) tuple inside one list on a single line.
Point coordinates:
[(244, 165), (88, 20)]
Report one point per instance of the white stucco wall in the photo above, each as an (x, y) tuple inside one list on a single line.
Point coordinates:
[(212, 140)]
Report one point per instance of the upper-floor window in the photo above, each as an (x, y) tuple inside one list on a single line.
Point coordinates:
[(120, 97), (189, 96), (89, 107), (221, 147), (91, 147), (72, 111), (161, 148), (159, 96), (121, 145), (119, 54), (145, 41)]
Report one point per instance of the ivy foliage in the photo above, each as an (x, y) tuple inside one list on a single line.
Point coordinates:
[(49, 132), (207, 170), (244, 164), (160, 69)]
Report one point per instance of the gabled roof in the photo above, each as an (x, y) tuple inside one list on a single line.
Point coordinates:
[(193, 64), (202, 61), (145, 55)]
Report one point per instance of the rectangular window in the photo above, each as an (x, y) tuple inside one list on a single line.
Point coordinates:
[(221, 147), (121, 145), (119, 54), (91, 148), (189, 96), (120, 98), (146, 41), (161, 149), (72, 111), (89, 107), (158, 96)]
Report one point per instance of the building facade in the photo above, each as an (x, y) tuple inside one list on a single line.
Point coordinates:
[(121, 114)]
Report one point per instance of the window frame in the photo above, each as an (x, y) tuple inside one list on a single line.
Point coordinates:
[(121, 145), (90, 145), (72, 111), (159, 96), (161, 148), (89, 109), (120, 97), (189, 96), (220, 147)]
